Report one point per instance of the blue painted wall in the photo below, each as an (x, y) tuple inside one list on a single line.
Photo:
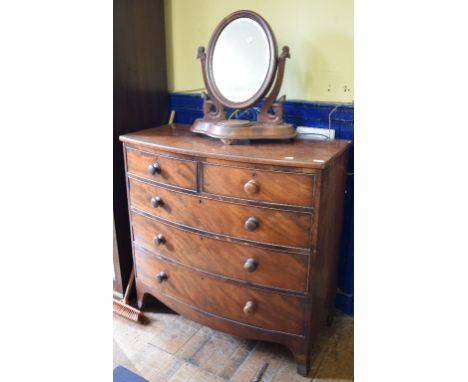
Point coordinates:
[(188, 107)]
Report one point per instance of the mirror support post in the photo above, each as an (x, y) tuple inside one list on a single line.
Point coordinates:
[(277, 117), (208, 100)]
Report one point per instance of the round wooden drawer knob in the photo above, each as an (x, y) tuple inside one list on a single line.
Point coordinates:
[(162, 276), (159, 239), (154, 168), (251, 224), (156, 201), (249, 308), (250, 265), (251, 187)]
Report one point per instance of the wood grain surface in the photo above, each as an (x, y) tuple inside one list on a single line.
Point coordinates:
[(272, 208), (274, 268), (179, 139), (172, 348), (177, 172), (274, 226), (272, 310), (267, 186)]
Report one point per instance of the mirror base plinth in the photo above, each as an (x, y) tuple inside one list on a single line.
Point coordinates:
[(229, 132)]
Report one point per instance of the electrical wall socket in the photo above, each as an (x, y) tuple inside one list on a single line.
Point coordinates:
[(315, 133)]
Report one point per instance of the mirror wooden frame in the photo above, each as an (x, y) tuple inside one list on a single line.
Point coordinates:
[(269, 125), (270, 75)]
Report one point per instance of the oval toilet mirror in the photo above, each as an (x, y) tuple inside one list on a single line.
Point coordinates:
[(240, 67), (242, 60)]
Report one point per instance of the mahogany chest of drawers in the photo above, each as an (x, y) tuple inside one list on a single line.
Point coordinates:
[(241, 238)]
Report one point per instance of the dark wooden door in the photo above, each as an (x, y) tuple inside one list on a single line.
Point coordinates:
[(140, 96)]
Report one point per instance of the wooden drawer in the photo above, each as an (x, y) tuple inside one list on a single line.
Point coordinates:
[(273, 226), (266, 186), (174, 171), (214, 295), (238, 261)]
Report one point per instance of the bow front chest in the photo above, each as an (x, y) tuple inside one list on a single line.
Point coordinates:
[(242, 238)]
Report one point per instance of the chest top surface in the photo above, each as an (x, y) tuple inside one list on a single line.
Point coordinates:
[(299, 153)]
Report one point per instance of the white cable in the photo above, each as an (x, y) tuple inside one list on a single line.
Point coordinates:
[(329, 120)]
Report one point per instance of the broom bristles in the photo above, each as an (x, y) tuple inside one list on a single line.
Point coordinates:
[(127, 311)]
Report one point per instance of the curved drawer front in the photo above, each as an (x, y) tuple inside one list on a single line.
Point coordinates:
[(177, 172), (252, 223), (238, 261), (266, 186), (262, 309)]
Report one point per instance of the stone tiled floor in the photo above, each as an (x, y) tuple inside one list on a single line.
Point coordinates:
[(171, 348)]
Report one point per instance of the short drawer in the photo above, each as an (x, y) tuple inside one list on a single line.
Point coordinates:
[(242, 262), (214, 295), (253, 223), (261, 185), (174, 171)]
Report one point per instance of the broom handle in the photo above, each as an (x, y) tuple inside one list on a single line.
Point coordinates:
[(129, 286)]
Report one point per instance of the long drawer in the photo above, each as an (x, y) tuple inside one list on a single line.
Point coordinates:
[(259, 308), (248, 222), (177, 172), (243, 262), (266, 186)]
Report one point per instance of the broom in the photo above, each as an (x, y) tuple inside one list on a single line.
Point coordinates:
[(122, 308)]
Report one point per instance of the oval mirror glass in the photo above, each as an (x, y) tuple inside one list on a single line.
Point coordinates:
[(242, 61)]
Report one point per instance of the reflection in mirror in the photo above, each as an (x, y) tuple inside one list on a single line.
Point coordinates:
[(241, 60)]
